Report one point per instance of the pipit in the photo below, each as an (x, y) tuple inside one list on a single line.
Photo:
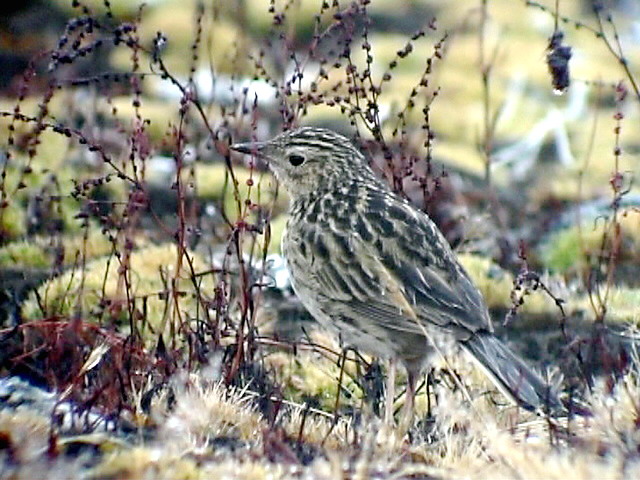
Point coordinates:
[(366, 262)]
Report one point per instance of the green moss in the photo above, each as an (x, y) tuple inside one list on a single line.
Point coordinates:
[(223, 44), (495, 285), (40, 251), (574, 249), (159, 113), (51, 153), (149, 269), (277, 227), (24, 254), (563, 251), (623, 305), (51, 180), (384, 49), (313, 375), (30, 106), (461, 156), (214, 183), (299, 16), (323, 114), (12, 222)]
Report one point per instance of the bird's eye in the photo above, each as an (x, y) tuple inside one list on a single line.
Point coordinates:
[(296, 160)]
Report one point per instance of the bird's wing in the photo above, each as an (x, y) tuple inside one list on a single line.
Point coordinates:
[(391, 266)]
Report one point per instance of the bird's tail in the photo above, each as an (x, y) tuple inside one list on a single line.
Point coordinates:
[(511, 375)]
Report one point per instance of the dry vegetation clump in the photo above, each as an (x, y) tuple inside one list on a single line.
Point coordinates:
[(143, 301)]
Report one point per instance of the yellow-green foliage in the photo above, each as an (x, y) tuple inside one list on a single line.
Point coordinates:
[(214, 183), (300, 15), (27, 253), (57, 208), (622, 304), (310, 374), (71, 292), (51, 153), (28, 107), (322, 114), (277, 226), (40, 252), (12, 222), (223, 45), (384, 49), (50, 178), (48, 163), (574, 249), (496, 284), (160, 115), (460, 156)]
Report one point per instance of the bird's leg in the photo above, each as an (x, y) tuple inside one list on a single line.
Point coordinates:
[(406, 418), (342, 361), (428, 386), (390, 393)]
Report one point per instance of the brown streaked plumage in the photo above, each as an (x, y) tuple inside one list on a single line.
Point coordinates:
[(367, 262)]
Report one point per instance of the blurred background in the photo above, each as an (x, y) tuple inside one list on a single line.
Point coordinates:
[(134, 244)]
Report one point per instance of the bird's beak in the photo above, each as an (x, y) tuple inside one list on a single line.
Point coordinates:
[(252, 148)]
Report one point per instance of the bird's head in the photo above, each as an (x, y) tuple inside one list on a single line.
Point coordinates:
[(310, 159)]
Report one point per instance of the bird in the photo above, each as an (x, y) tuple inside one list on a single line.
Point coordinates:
[(368, 264)]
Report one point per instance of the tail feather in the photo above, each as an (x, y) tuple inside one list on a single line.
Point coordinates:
[(511, 375)]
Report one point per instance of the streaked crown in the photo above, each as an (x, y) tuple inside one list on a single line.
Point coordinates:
[(309, 159)]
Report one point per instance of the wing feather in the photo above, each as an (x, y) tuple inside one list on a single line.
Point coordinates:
[(403, 278)]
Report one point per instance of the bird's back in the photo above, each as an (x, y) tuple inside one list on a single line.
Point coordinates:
[(369, 262)]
